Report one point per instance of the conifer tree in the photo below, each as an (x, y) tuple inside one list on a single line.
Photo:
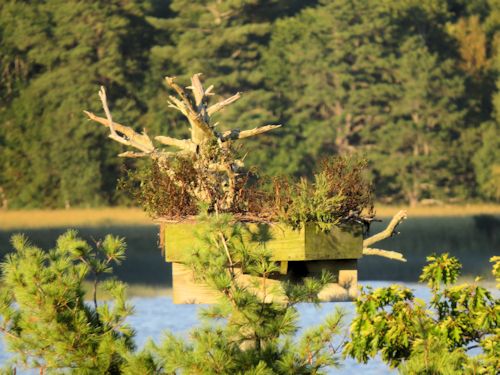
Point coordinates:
[(251, 329), (225, 41), (65, 47), (487, 158), (48, 325), (424, 127), (46, 322), (330, 68)]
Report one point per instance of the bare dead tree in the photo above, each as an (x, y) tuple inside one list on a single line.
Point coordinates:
[(210, 150)]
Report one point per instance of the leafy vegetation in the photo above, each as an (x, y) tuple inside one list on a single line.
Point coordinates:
[(338, 193), (342, 76), (253, 328), (429, 339), (157, 192), (207, 175), (49, 326)]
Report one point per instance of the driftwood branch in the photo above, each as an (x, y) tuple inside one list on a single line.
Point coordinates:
[(240, 134), (386, 233), (179, 90), (132, 138), (220, 168), (104, 101), (132, 154), (184, 144), (223, 103), (197, 119), (178, 104), (197, 88), (384, 253)]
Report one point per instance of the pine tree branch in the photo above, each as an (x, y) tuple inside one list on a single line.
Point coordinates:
[(387, 232)]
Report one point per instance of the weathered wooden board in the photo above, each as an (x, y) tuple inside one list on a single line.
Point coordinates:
[(286, 244), (188, 291)]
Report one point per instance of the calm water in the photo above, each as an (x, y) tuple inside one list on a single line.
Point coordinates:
[(156, 315), (472, 239)]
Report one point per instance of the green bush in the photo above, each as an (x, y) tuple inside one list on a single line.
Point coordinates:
[(434, 338)]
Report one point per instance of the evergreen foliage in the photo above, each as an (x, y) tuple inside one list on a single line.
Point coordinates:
[(342, 76), (424, 130), (251, 329), (330, 69), (339, 193), (59, 51), (46, 322), (48, 325)]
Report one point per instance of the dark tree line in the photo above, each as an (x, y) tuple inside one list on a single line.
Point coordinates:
[(412, 85)]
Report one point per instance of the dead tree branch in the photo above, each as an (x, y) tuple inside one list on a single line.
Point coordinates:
[(386, 233), (132, 138), (384, 253), (200, 129), (183, 144), (104, 101), (220, 167), (240, 134), (224, 103)]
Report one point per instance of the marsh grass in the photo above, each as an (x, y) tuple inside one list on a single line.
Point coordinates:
[(94, 217), (440, 210), (105, 217)]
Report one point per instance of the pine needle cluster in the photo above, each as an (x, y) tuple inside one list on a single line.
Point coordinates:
[(46, 322), (338, 193), (252, 328)]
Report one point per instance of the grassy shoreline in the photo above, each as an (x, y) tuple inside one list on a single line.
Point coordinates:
[(111, 216)]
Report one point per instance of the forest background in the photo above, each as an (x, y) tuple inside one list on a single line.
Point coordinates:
[(412, 85)]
